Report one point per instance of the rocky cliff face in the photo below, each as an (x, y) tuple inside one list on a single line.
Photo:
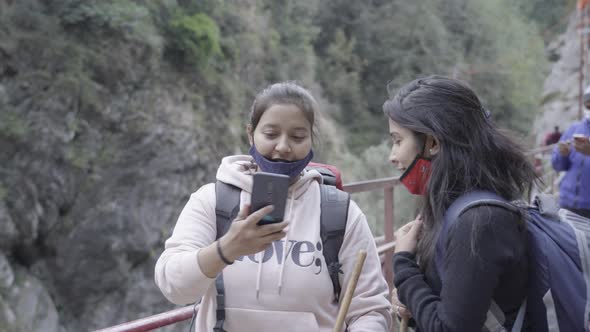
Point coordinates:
[(96, 162), (559, 106), (104, 132)]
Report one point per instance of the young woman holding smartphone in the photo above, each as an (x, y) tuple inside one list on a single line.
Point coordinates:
[(275, 276)]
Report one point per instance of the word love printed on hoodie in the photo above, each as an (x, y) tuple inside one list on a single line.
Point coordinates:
[(300, 253)]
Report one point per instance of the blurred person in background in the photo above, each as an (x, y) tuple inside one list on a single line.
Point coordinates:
[(572, 156)]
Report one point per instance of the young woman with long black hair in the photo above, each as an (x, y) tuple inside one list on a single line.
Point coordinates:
[(446, 145)]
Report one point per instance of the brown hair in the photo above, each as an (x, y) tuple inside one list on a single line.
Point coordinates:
[(283, 93)]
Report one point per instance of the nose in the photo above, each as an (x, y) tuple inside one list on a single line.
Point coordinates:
[(393, 157), (282, 146)]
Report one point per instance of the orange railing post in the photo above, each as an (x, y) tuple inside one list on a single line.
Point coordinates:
[(388, 228)]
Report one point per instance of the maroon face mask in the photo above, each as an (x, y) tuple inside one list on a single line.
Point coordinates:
[(416, 176)]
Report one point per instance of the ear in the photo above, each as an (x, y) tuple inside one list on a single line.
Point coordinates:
[(250, 134), (432, 146)]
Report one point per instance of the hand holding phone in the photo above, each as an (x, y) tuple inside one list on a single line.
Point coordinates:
[(270, 189), (245, 237), (582, 144), (581, 138)]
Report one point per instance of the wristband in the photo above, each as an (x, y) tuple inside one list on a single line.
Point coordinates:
[(225, 260)]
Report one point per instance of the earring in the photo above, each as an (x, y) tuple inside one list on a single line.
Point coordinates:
[(430, 151)]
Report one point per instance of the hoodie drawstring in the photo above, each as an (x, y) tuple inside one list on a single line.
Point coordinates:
[(284, 260), (260, 255), (260, 258)]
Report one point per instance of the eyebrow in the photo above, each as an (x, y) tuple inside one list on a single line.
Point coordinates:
[(270, 126), (274, 126)]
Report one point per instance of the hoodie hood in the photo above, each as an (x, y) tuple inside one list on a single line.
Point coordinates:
[(238, 171)]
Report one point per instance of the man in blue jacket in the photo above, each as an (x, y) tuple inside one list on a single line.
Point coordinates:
[(572, 155)]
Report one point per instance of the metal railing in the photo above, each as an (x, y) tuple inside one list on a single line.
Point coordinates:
[(388, 186), (185, 313), (156, 321)]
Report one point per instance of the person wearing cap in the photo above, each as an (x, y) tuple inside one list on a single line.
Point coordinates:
[(572, 155)]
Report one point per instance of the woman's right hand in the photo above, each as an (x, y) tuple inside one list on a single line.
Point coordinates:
[(398, 307), (244, 237), (406, 238)]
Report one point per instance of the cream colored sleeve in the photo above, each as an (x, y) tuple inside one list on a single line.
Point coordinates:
[(370, 309), (177, 272)]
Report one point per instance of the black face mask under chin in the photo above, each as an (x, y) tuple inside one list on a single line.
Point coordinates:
[(291, 169)]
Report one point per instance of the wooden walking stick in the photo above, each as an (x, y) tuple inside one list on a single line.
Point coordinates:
[(403, 327), (403, 323), (360, 260)]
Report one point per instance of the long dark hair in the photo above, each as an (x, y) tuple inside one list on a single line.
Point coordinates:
[(473, 154)]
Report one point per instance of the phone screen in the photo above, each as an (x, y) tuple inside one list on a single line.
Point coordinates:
[(270, 189)]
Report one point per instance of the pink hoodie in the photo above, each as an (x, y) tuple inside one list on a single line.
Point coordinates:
[(284, 288)]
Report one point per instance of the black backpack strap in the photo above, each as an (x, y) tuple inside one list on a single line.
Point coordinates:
[(227, 206), (333, 217), (220, 312)]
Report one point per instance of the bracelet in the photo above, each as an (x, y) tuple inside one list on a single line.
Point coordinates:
[(225, 260)]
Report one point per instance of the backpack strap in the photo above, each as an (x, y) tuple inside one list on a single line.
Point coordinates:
[(227, 206), (548, 205), (518, 323), (220, 311), (458, 207), (495, 317), (581, 229), (334, 214)]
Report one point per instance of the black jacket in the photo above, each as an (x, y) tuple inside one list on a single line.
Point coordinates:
[(485, 260)]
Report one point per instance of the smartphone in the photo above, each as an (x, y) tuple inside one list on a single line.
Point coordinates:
[(270, 189), (580, 138)]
